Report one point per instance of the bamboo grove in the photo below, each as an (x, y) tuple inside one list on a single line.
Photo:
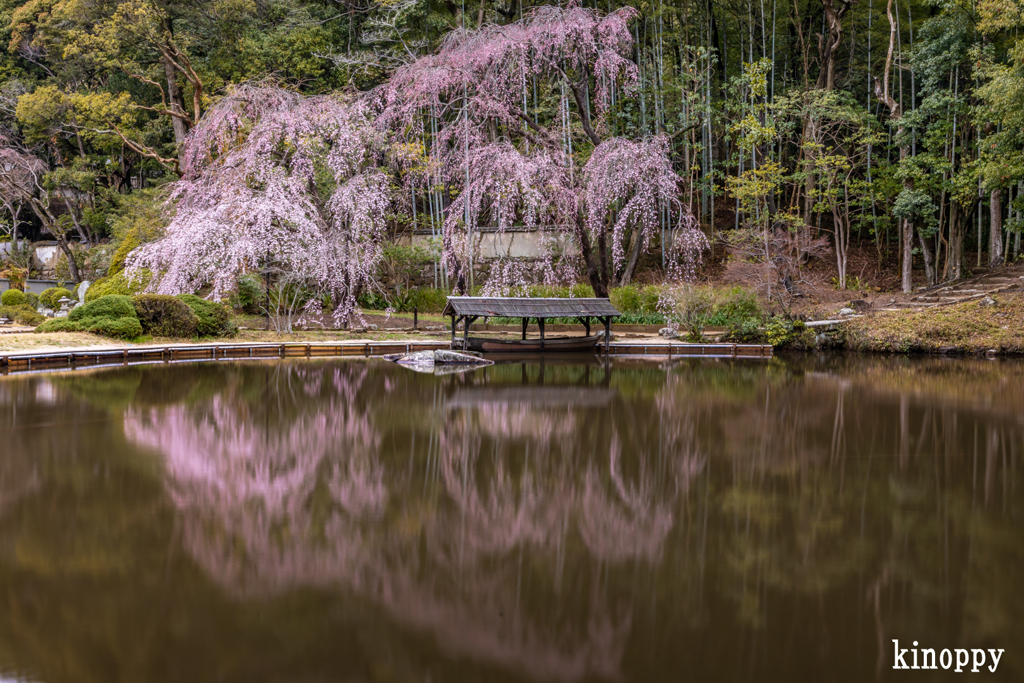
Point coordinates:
[(892, 126)]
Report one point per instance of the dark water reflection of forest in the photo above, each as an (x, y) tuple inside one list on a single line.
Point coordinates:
[(353, 521)]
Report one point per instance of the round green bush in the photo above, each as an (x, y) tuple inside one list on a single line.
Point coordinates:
[(165, 316), (214, 318), (51, 297), (12, 297), (110, 306)]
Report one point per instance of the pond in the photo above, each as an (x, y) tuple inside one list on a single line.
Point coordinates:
[(343, 520)]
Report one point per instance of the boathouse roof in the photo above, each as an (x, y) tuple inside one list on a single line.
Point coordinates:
[(528, 307)]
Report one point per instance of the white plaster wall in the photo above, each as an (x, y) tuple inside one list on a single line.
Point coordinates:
[(511, 244)]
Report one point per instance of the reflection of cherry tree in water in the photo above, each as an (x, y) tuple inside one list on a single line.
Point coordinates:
[(275, 498), (255, 475), (546, 495)]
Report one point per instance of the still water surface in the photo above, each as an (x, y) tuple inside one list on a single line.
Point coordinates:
[(355, 521)]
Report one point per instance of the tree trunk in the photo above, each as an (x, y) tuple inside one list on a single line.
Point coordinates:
[(594, 274), (62, 242), (954, 253), (842, 242), (634, 258), (926, 253), (809, 135), (895, 112), (907, 240), (995, 228), (177, 103), (828, 44)]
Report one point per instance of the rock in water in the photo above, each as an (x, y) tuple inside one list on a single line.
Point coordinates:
[(439, 357)]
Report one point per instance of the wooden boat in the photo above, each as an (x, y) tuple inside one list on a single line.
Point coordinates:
[(551, 344)]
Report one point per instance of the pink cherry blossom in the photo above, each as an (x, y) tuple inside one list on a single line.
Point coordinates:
[(272, 178)]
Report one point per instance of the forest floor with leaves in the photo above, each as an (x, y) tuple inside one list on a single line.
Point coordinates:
[(972, 327)]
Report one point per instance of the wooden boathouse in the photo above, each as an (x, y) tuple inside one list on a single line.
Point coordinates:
[(467, 309)]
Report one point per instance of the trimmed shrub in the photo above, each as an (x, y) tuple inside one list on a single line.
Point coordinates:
[(59, 325), (165, 316), (32, 300), (112, 306), (52, 296), (118, 328), (29, 316), (24, 314), (214, 318), (112, 316), (12, 297)]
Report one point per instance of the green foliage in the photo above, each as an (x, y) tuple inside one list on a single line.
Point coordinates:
[(695, 307), (118, 328), (118, 283), (60, 325), (214, 318), (124, 248), (12, 297), (134, 220), (580, 290), (51, 297), (737, 306), (165, 316), (109, 306), (428, 299), (373, 301), (423, 299), (692, 307), (636, 299), (914, 205), (111, 316), (747, 331), (24, 314), (781, 331), (249, 295)]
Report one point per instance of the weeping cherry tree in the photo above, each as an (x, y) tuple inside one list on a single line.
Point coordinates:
[(275, 179), (565, 172)]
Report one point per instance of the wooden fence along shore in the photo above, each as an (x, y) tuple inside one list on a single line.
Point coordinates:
[(85, 357)]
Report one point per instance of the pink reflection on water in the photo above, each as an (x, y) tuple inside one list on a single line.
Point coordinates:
[(304, 497)]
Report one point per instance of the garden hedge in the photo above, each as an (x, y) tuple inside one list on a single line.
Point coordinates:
[(111, 316), (165, 316), (214, 318)]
